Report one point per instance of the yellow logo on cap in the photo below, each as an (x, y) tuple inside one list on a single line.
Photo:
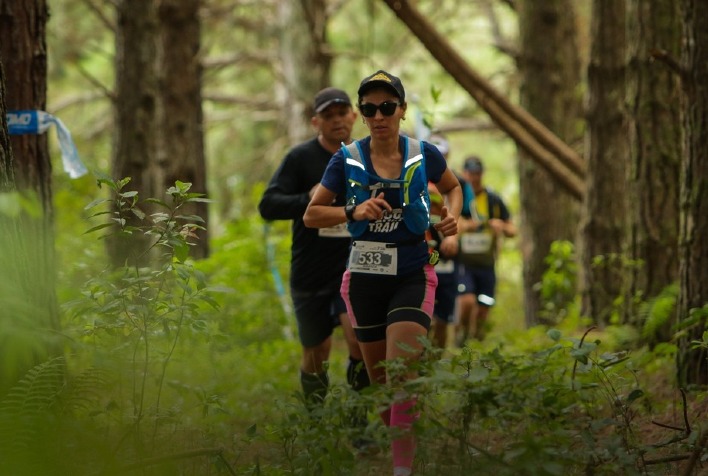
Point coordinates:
[(381, 77)]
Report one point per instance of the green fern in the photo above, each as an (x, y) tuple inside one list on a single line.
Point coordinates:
[(657, 312), (27, 408)]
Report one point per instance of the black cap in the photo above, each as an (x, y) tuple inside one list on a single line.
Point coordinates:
[(329, 96), (473, 164), (382, 78)]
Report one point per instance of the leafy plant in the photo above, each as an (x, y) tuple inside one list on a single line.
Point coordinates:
[(558, 286), (657, 313), (140, 315)]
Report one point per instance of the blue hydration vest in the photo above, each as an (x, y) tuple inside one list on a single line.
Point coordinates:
[(413, 186)]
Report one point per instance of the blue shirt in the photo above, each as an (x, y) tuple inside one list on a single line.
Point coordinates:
[(413, 251)]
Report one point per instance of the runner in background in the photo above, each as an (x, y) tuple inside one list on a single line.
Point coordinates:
[(447, 267), (318, 257), (480, 231)]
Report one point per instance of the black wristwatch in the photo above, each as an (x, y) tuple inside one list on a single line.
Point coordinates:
[(349, 211)]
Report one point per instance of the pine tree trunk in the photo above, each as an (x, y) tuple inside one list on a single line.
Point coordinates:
[(135, 139), (29, 320), (181, 133), (305, 59), (7, 175), (550, 67), (654, 93), (693, 252), (604, 227)]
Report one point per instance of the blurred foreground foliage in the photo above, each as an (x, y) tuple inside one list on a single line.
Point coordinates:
[(190, 368)]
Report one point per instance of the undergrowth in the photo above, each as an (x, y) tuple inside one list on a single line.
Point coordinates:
[(189, 369)]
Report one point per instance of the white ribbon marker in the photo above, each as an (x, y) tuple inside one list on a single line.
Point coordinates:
[(37, 122)]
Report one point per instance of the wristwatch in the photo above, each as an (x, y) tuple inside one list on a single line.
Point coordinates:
[(349, 211)]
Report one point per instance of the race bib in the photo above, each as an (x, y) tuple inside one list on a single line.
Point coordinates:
[(336, 231), (445, 266), (373, 257), (475, 243)]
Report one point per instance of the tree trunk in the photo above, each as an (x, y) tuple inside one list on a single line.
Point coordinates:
[(305, 59), (656, 143), (24, 51), (135, 138), (181, 133), (7, 176), (604, 228), (693, 229), (551, 74), (29, 321)]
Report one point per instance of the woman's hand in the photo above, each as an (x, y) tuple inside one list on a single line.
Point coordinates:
[(372, 209), (448, 224)]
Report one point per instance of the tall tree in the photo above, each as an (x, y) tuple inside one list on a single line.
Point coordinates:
[(7, 175), (654, 27), (305, 60), (136, 99), (603, 228), (549, 62), (179, 115), (159, 131), (27, 296), (24, 49), (693, 252)]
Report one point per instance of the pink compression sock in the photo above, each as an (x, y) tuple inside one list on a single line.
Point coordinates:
[(403, 448)]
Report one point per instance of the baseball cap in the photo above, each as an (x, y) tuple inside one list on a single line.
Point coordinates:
[(441, 143), (473, 164), (329, 96), (380, 78)]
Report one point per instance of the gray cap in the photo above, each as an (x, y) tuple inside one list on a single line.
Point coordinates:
[(329, 96), (473, 164)]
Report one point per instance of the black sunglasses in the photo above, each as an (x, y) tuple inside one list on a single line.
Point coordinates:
[(387, 108)]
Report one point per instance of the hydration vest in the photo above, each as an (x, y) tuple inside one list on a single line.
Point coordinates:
[(413, 186)]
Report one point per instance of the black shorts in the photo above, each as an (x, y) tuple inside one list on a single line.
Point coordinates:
[(375, 301), (445, 297), (317, 314), (480, 281)]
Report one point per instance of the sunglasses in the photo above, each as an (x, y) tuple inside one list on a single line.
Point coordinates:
[(387, 108)]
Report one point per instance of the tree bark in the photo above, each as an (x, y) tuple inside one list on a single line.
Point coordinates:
[(550, 68), (7, 176), (561, 161), (135, 137), (306, 61), (604, 229), (29, 321), (656, 144), (24, 52), (180, 118), (693, 228)]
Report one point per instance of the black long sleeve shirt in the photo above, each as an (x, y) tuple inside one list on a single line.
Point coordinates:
[(317, 263)]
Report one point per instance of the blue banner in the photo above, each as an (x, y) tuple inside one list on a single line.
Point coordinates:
[(37, 122)]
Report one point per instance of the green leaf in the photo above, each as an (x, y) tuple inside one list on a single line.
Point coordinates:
[(477, 374), (98, 227), (98, 201), (181, 252), (554, 334), (635, 394)]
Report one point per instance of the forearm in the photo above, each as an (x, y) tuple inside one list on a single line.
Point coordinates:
[(276, 205), (323, 216)]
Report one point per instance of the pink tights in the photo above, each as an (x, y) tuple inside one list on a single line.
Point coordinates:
[(402, 417)]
